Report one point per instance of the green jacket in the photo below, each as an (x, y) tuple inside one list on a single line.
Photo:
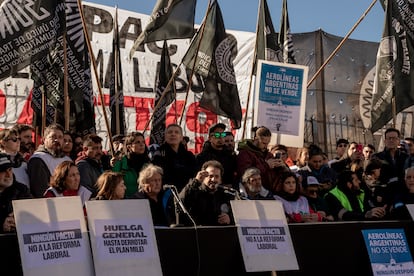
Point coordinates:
[(130, 176), (344, 200)]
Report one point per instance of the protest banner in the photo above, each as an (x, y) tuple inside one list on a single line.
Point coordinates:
[(123, 238), (53, 238), (280, 101), (264, 235), (388, 251)]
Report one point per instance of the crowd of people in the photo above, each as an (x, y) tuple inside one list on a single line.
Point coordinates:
[(360, 183)]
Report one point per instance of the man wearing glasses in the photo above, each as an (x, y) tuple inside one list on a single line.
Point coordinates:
[(215, 149), (393, 159)]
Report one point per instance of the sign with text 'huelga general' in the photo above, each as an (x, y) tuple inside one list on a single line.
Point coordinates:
[(123, 238), (264, 235), (53, 238)]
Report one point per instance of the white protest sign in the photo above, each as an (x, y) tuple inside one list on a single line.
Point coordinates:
[(53, 238), (123, 238), (264, 235), (280, 101)]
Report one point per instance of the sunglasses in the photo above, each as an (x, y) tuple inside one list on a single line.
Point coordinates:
[(219, 134), (15, 139)]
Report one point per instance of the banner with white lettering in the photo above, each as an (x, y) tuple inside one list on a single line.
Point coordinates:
[(264, 235), (53, 238), (280, 100), (123, 238), (388, 252)]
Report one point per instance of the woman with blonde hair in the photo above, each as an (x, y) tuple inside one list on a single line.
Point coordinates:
[(110, 186), (161, 202)]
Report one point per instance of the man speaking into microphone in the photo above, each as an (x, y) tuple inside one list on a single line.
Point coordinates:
[(207, 204)]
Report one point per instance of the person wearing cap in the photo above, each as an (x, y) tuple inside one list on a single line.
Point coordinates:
[(10, 190), (215, 149), (177, 163), (44, 160), (317, 203), (347, 200)]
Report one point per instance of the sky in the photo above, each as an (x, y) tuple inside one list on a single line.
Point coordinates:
[(336, 17)]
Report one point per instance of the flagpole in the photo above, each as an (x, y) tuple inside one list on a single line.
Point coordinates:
[(341, 43), (254, 63), (95, 70), (66, 108), (190, 81), (116, 60)]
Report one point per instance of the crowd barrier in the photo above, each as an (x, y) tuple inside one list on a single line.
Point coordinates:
[(332, 248)]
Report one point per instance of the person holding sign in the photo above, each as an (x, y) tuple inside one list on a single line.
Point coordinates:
[(66, 182), (10, 190), (110, 186), (206, 198), (150, 188)]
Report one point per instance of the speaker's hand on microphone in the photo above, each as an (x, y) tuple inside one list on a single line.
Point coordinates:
[(224, 218)]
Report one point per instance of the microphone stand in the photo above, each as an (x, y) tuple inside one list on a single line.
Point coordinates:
[(179, 205)]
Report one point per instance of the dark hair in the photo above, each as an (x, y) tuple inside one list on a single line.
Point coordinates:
[(59, 175), (341, 141), (391, 129), (261, 131), (214, 164), (344, 177), (371, 146), (282, 179), (372, 165), (314, 150), (411, 139), (22, 127), (91, 138), (216, 126)]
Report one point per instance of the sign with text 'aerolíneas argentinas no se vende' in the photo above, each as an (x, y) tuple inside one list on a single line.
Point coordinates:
[(280, 100)]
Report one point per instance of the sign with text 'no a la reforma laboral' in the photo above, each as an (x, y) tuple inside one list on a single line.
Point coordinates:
[(53, 237), (264, 235), (123, 238), (280, 101), (388, 251)]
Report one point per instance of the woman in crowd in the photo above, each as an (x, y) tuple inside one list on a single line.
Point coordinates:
[(161, 202), (67, 146), (131, 164), (10, 144), (296, 206), (110, 186), (65, 181)]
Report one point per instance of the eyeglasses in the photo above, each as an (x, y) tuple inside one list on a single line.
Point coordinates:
[(15, 139), (219, 134)]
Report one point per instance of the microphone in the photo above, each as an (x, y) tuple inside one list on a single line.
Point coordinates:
[(168, 186), (227, 188)]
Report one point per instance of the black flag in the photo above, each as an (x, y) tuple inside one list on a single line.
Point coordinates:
[(214, 62), (393, 77), (116, 94), (170, 19), (285, 37), (162, 101)]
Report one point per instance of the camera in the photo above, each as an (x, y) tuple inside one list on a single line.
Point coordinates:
[(278, 155)]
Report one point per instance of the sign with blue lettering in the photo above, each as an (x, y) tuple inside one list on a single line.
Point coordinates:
[(388, 251), (280, 100)]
